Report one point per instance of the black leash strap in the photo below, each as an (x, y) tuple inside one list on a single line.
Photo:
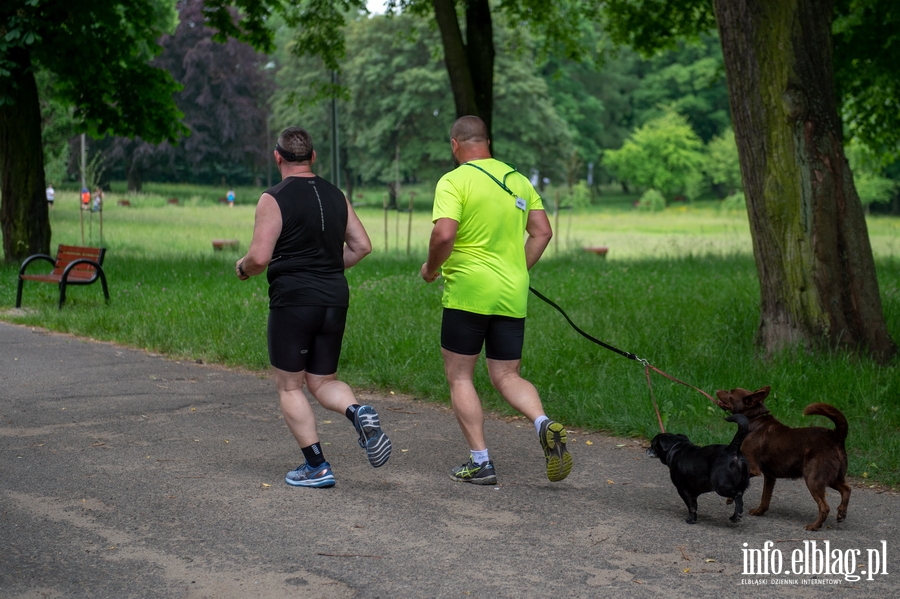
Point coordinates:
[(647, 366), (628, 355)]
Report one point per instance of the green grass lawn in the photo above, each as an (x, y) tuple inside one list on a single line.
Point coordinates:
[(678, 288)]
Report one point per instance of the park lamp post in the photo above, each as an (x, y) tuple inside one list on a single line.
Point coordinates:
[(335, 158)]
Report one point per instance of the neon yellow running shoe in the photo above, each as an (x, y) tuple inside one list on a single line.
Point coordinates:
[(553, 442)]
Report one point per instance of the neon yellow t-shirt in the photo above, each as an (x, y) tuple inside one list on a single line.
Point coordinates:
[(486, 272)]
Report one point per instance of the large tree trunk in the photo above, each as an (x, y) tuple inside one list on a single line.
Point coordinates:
[(135, 176), (24, 217), (470, 63), (816, 271)]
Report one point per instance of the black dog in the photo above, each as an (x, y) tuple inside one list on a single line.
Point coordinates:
[(697, 470)]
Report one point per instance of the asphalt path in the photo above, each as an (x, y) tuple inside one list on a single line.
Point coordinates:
[(127, 474)]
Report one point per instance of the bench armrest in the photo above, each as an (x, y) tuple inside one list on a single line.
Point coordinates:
[(74, 263), (32, 258)]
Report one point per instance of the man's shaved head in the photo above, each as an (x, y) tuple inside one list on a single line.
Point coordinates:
[(469, 129)]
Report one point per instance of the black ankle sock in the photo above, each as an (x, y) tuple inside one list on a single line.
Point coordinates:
[(313, 455), (350, 413)]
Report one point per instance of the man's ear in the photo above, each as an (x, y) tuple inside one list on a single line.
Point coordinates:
[(313, 157)]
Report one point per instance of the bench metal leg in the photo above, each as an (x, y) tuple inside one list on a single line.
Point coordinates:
[(103, 283), (19, 294)]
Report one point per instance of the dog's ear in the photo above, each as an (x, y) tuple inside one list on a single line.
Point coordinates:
[(757, 396)]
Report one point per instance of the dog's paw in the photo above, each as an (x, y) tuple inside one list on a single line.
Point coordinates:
[(813, 526), (729, 501), (736, 518), (757, 512)]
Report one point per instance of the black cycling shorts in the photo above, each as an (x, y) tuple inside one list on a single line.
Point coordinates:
[(306, 338), (466, 332)]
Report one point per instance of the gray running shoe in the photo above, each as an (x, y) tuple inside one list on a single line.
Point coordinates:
[(371, 437), (304, 476)]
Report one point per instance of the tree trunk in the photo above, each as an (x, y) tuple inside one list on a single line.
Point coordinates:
[(135, 176), (470, 64), (24, 217), (817, 277), (480, 56)]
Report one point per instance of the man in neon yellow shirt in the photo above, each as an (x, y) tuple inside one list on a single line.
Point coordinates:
[(482, 211)]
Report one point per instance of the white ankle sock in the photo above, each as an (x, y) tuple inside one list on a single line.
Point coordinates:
[(540, 420), (479, 457)]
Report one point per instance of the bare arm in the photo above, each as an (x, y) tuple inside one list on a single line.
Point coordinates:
[(266, 230), (539, 235), (356, 241), (439, 247)]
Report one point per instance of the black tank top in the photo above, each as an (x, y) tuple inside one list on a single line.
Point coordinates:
[(307, 267)]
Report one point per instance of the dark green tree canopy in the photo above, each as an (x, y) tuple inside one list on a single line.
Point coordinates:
[(867, 72), (99, 53), (866, 39), (225, 88)]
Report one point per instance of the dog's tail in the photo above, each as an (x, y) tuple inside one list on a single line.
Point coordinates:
[(743, 428), (833, 414)]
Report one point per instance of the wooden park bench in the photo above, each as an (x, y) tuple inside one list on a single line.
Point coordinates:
[(599, 250), (74, 265), (221, 244)]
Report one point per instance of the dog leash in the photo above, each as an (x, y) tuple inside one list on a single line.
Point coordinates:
[(647, 366)]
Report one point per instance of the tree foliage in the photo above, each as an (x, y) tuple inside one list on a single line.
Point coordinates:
[(99, 54), (664, 154), (224, 90), (723, 165), (689, 78), (867, 71), (396, 99), (868, 175)]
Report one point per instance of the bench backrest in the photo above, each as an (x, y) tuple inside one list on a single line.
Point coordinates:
[(69, 253)]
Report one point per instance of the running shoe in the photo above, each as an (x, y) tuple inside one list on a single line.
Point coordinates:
[(478, 474), (371, 437), (553, 442), (304, 476)]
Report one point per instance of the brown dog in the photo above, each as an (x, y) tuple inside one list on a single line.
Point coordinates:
[(777, 451)]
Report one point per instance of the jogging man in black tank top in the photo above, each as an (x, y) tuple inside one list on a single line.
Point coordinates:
[(306, 233)]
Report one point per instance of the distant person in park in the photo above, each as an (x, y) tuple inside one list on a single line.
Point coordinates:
[(98, 200), (306, 233), (230, 197), (51, 195), (482, 211), (85, 198)]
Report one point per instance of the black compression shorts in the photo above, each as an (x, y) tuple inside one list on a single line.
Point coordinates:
[(466, 332), (306, 338)]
